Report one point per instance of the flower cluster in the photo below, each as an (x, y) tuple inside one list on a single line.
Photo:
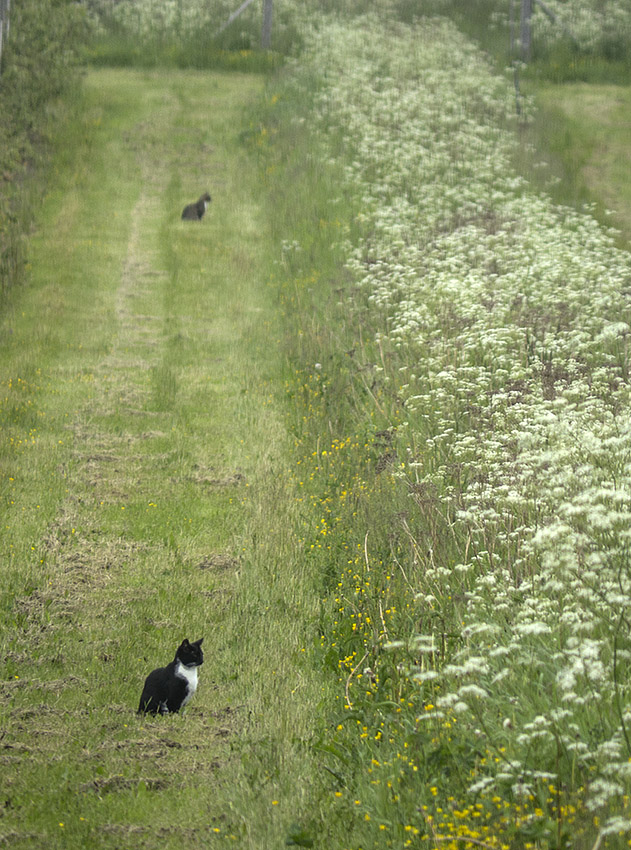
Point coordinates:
[(603, 26), (506, 323)]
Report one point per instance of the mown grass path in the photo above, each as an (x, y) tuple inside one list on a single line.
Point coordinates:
[(139, 439)]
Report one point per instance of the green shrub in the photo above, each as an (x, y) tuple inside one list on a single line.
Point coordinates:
[(40, 65)]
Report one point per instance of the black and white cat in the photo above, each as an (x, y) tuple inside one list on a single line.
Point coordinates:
[(168, 689), (195, 212)]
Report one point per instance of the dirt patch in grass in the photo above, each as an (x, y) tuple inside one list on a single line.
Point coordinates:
[(212, 477), (118, 783), (218, 561)]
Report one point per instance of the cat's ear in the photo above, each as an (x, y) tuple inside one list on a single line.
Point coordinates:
[(198, 642), (185, 642)]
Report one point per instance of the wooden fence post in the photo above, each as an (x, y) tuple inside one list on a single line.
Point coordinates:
[(266, 30), (4, 25)]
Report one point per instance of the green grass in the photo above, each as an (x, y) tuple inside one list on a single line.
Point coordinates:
[(582, 131), (144, 492), (575, 148), (200, 54), (562, 63)]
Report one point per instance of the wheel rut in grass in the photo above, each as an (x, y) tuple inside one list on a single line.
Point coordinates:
[(141, 277)]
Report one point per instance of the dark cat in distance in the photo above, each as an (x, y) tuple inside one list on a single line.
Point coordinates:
[(168, 689), (195, 212)]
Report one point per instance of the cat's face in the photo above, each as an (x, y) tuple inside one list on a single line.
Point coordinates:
[(190, 654)]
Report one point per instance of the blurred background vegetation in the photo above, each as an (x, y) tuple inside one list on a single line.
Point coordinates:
[(50, 41)]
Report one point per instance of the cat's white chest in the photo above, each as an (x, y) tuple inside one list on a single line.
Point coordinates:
[(189, 674)]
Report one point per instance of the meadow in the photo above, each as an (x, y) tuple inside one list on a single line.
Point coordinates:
[(366, 430)]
